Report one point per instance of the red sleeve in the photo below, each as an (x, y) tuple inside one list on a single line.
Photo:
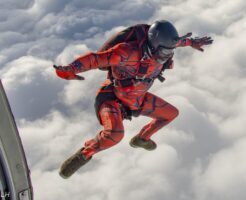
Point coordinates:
[(184, 43), (111, 57)]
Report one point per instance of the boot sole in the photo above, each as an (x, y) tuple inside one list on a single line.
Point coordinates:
[(135, 146), (67, 176), (63, 176)]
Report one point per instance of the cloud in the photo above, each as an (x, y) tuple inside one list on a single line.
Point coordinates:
[(224, 174), (30, 85), (12, 4), (196, 153)]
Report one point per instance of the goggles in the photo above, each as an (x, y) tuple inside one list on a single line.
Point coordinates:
[(162, 51)]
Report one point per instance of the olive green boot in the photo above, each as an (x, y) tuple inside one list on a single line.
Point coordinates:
[(136, 142), (72, 164)]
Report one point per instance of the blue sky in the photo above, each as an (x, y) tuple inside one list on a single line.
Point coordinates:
[(200, 156)]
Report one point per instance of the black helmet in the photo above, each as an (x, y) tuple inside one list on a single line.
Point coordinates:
[(162, 39)]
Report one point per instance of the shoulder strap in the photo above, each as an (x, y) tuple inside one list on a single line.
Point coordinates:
[(141, 33)]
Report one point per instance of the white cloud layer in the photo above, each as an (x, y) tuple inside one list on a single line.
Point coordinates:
[(200, 156)]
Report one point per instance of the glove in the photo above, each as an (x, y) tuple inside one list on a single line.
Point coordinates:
[(66, 73), (197, 42)]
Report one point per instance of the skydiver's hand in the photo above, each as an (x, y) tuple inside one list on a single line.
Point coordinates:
[(64, 72), (197, 42)]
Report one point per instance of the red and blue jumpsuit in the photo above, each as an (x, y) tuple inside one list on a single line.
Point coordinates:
[(126, 63)]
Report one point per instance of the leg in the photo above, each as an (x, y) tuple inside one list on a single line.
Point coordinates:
[(161, 111), (113, 132)]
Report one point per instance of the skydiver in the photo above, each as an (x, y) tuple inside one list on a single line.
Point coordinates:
[(134, 59)]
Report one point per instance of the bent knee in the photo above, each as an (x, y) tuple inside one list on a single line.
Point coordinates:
[(174, 114), (169, 114)]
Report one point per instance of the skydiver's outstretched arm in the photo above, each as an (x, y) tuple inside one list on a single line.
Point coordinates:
[(195, 43), (111, 57)]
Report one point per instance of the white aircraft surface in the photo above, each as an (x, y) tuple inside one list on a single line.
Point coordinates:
[(15, 182)]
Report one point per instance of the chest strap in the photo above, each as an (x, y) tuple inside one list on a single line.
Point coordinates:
[(130, 81)]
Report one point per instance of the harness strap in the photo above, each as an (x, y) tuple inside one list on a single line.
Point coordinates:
[(130, 82), (141, 35)]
